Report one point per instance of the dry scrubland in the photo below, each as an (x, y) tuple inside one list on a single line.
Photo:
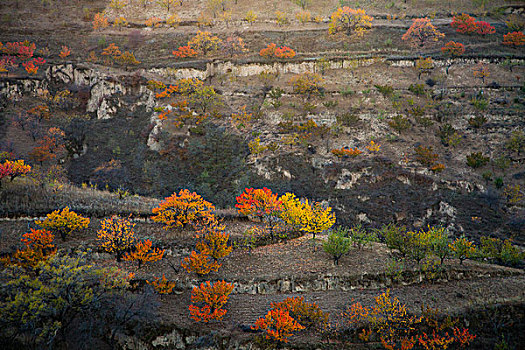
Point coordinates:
[(253, 175)]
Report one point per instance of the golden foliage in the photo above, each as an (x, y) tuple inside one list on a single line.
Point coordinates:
[(63, 222)]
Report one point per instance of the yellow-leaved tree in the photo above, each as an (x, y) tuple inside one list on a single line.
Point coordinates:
[(63, 222), (116, 235), (308, 217), (349, 21)]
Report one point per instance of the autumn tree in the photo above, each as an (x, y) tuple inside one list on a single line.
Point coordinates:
[(38, 246), (12, 169), (514, 39), (349, 21), (64, 222), (162, 285), (100, 21), (451, 50), (126, 59), (208, 301), (250, 17), (305, 216), (116, 235), (204, 42), (64, 52), (481, 70), (214, 241), (184, 52), (261, 203), (309, 315), (144, 253), (462, 249), (422, 33), (464, 24), (424, 65), (278, 325), (200, 262), (307, 84), (184, 209)]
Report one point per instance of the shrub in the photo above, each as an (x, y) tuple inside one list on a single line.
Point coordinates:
[(307, 84), (503, 252), (426, 156), (464, 24), (64, 222), (399, 123), (484, 28), (337, 244), (346, 152), (204, 42), (477, 160), (186, 208), (385, 90), (271, 50), (514, 39), (212, 297)]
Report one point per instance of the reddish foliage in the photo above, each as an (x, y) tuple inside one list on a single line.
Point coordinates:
[(464, 24), (184, 51), (258, 202), (278, 324), (271, 50), (484, 28), (422, 33), (212, 298), (514, 39), (453, 48)]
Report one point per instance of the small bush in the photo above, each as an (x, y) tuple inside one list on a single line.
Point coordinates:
[(477, 160)]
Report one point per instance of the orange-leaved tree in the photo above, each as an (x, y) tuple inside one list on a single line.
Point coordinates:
[(278, 325), (514, 39), (144, 253), (116, 235), (38, 247), (184, 209), (208, 301), (464, 24), (162, 285), (200, 263), (349, 21), (452, 49), (63, 222), (261, 203), (422, 33)]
